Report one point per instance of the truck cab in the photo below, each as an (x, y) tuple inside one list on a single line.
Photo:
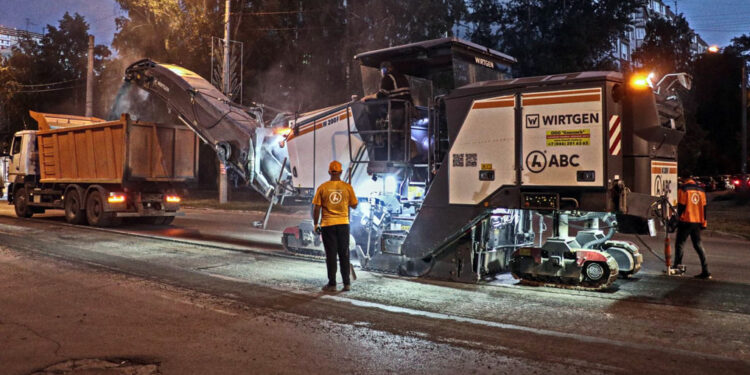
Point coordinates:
[(23, 156)]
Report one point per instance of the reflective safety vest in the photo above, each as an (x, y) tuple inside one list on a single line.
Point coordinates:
[(691, 200), (395, 86)]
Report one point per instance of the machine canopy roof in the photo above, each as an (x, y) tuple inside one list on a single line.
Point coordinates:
[(422, 58)]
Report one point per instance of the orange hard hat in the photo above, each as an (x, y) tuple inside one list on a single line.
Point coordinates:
[(334, 166)]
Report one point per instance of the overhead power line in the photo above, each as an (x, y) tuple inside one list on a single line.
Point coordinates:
[(48, 90), (724, 30), (50, 84), (275, 13), (296, 28)]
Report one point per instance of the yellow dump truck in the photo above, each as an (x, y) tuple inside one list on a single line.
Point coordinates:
[(101, 171)]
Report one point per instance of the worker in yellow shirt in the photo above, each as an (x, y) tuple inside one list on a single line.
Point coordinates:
[(332, 202)]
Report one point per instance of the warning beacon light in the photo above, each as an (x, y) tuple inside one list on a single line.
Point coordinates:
[(641, 81)]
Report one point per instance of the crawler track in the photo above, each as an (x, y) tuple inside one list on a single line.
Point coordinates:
[(562, 283)]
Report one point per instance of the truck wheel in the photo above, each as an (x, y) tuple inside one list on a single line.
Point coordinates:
[(73, 212), (95, 211), (168, 220), (21, 201)]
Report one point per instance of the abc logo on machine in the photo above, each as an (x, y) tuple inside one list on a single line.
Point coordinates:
[(536, 161), (662, 186)]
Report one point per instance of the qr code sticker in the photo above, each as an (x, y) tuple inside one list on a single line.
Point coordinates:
[(471, 160), (458, 160)]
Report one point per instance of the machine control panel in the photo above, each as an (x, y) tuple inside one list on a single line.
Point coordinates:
[(541, 201)]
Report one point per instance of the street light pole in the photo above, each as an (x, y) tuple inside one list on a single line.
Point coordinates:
[(225, 85), (90, 79)]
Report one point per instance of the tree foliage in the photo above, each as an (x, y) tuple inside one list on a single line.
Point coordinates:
[(484, 19), (556, 36), (712, 143), (666, 47), (49, 75)]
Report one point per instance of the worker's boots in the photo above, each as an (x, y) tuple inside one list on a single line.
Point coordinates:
[(680, 269), (705, 275), (677, 270)]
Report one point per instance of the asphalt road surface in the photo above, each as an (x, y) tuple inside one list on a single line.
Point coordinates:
[(211, 295)]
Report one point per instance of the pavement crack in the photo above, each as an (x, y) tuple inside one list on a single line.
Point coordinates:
[(37, 334)]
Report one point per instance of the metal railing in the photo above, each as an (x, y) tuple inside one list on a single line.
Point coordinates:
[(390, 132)]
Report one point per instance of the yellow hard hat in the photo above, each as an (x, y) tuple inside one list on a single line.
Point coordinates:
[(334, 166)]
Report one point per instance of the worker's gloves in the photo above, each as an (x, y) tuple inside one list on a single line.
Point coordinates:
[(317, 229)]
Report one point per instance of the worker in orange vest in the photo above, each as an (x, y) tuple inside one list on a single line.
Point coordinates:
[(691, 210), (332, 202)]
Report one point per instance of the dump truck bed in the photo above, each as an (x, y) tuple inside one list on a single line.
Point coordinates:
[(118, 152)]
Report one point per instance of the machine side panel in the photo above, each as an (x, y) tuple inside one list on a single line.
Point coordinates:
[(317, 142), (485, 144), (563, 137), (664, 179), (438, 221)]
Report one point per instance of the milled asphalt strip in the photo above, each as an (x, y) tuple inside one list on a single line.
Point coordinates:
[(537, 331), (214, 245), (283, 254)]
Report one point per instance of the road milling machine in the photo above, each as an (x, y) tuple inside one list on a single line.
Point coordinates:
[(463, 186), (460, 182)]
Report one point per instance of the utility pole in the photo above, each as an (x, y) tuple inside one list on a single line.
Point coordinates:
[(744, 119), (90, 80), (223, 184), (227, 85)]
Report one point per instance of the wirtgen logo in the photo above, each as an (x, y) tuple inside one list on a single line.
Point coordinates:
[(571, 119), (532, 121)]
